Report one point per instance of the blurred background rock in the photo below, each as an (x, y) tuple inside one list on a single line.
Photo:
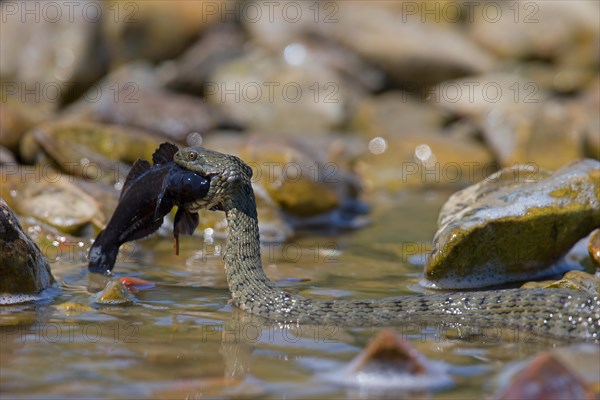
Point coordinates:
[(387, 95)]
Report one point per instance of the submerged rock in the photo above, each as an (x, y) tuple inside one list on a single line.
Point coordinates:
[(390, 364), (513, 226), (115, 293), (24, 271), (552, 375)]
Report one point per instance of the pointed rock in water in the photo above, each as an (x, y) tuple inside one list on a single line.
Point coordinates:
[(390, 364), (115, 293), (24, 271), (547, 377), (513, 226)]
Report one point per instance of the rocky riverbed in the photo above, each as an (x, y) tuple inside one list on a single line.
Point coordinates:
[(396, 147)]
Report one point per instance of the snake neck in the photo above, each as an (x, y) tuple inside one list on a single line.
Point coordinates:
[(243, 265)]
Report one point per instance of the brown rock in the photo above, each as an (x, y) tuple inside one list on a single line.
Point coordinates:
[(594, 247), (23, 267), (547, 378)]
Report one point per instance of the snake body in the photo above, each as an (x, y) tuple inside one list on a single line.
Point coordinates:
[(557, 313)]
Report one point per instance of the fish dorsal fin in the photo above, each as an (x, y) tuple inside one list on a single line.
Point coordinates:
[(139, 167), (164, 153)]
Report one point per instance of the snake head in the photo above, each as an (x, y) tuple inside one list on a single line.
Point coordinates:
[(226, 173)]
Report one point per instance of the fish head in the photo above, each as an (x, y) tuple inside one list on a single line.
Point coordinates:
[(227, 175), (185, 186)]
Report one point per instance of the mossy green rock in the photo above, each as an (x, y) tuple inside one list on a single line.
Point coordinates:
[(115, 293), (575, 280), (513, 226), (24, 271)]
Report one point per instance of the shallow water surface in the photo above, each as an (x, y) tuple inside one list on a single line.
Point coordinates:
[(182, 338)]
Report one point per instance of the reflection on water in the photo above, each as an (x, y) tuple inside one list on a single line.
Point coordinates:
[(182, 339)]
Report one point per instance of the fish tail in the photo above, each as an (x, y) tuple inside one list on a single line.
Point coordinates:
[(102, 258)]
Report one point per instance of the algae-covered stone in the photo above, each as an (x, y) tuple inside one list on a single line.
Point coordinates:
[(513, 226), (575, 280), (23, 268), (51, 198), (96, 152), (115, 293)]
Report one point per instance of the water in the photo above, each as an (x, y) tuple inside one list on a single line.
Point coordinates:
[(182, 338)]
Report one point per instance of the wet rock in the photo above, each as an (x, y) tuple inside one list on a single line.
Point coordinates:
[(590, 102), (296, 176), (422, 160), (594, 247), (73, 308), (534, 29), (558, 78), (54, 70), (518, 121), (390, 364), (96, 152), (396, 113), (548, 376), (296, 185), (6, 156), (106, 195), (51, 198), (24, 271), (513, 226), (266, 93), (16, 118), (419, 53), (190, 72), (169, 114), (297, 180), (155, 30), (55, 244), (273, 225), (575, 280), (115, 293), (134, 96)]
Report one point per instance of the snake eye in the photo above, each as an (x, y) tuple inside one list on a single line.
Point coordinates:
[(192, 155)]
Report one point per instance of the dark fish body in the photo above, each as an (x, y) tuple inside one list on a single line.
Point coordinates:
[(149, 193)]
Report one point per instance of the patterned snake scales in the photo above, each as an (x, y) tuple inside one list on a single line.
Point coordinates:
[(556, 313)]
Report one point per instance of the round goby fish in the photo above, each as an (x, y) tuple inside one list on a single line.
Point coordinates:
[(149, 193)]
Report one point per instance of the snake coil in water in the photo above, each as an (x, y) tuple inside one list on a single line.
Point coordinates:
[(557, 313)]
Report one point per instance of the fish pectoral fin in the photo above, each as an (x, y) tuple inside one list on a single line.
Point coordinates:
[(139, 167), (186, 223), (165, 153), (163, 204)]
